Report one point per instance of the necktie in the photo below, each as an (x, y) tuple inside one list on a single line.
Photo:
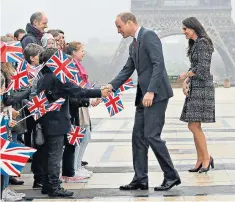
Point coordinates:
[(135, 43)]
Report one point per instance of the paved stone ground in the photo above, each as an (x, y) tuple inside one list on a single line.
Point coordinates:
[(110, 157)]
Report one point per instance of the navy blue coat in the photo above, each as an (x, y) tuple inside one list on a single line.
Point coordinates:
[(33, 36), (58, 122)]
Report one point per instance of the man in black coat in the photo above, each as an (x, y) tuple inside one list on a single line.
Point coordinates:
[(56, 124), (34, 29)]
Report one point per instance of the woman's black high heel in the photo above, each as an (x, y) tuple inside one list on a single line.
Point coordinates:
[(211, 164), (195, 170)]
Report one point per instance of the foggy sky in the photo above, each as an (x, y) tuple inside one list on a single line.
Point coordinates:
[(80, 19)]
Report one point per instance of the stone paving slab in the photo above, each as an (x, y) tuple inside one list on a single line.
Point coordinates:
[(177, 192)]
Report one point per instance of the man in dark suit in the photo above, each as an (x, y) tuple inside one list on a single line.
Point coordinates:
[(153, 93)]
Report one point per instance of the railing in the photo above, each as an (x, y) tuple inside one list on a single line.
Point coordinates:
[(174, 81), (167, 4)]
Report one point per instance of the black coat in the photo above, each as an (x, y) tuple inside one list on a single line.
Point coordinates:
[(58, 122), (16, 100), (33, 36)]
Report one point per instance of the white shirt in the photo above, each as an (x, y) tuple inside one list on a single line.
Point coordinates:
[(137, 33)]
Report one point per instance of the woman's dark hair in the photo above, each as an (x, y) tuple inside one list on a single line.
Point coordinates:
[(193, 23), (44, 56)]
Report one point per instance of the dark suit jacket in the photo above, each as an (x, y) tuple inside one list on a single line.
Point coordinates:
[(148, 61), (58, 122)]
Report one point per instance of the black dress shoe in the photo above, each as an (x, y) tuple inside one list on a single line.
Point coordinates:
[(14, 181), (134, 186), (168, 184), (60, 192), (37, 185), (84, 163), (195, 170), (44, 190)]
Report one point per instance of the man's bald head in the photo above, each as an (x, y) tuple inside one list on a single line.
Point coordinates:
[(39, 20)]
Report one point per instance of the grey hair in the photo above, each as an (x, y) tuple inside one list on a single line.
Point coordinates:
[(32, 50), (128, 16), (35, 17)]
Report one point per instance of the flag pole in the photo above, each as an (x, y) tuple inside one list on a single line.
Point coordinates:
[(24, 118), (22, 108)]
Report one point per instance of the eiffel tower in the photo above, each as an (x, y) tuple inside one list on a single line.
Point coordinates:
[(165, 18)]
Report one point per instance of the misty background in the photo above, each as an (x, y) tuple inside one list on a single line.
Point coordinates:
[(92, 23)]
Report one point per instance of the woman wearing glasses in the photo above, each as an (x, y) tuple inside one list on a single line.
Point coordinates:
[(199, 106)]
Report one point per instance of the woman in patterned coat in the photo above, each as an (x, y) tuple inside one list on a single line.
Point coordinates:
[(199, 106)]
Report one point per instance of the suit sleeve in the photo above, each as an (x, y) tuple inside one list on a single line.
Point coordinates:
[(125, 73), (153, 47), (202, 68)]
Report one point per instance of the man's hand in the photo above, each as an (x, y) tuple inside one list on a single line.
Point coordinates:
[(148, 99), (105, 91), (109, 86), (96, 102), (12, 123), (15, 113)]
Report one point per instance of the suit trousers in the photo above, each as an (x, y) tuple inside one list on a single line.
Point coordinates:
[(54, 151), (149, 122)]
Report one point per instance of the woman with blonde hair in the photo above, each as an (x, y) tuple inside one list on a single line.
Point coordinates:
[(80, 115)]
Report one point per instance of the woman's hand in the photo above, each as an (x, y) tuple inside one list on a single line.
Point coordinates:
[(96, 102), (12, 123), (182, 77), (185, 88), (15, 113)]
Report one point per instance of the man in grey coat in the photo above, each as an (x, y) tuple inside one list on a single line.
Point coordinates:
[(153, 93)]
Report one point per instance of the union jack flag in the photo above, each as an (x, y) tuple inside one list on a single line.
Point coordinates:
[(13, 157), (127, 85), (38, 105), (11, 52), (113, 104), (75, 135), (62, 67), (55, 106), (3, 129), (33, 71), (79, 82), (20, 79)]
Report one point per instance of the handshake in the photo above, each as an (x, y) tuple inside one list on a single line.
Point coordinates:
[(106, 90)]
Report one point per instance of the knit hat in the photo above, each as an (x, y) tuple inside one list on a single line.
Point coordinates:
[(45, 38)]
